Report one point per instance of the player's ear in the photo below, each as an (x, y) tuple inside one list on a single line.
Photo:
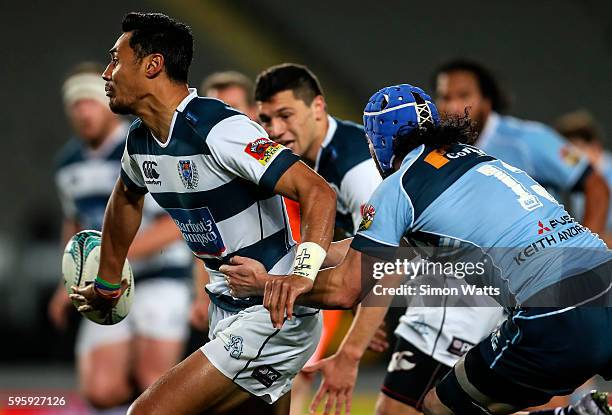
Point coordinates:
[(319, 107), (154, 65)]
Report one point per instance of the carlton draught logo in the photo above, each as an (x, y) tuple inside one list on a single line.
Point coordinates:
[(262, 150)]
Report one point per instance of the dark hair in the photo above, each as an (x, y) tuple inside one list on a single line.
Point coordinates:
[(158, 33), (452, 130), (488, 85), (287, 76), (579, 124), (226, 79)]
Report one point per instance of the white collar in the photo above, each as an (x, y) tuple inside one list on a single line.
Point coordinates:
[(332, 125), (193, 93), (489, 130)]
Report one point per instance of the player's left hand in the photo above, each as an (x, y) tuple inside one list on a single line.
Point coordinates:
[(280, 295), (246, 277), (339, 377)]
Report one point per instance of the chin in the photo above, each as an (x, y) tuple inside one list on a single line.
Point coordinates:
[(119, 108)]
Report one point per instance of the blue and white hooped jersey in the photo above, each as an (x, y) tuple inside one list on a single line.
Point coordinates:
[(464, 197), (344, 161), (85, 180), (215, 175), (536, 149)]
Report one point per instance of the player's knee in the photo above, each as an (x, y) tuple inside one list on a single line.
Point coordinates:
[(107, 393)]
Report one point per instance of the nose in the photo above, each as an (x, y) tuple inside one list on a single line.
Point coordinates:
[(106, 75)]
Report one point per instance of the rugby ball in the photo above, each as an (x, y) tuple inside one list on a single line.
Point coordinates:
[(80, 264)]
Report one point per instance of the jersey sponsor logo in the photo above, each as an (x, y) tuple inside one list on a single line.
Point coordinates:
[(542, 228), (235, 346), (262, 150), (436, 158), (188, 173), (569, 154), (401, 361), (151, 175), (550, 239), (367, 216), (199, 230), (459, 347), (465, 151), (266, 375)]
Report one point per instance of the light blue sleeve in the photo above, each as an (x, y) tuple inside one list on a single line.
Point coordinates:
[(386, 217), (555, 162)]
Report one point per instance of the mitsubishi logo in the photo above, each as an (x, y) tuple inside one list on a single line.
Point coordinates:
[(542, 228)]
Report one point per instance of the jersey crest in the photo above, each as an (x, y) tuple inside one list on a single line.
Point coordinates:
[(188, 173)]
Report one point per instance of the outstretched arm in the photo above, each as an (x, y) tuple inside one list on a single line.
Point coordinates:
[(121, 222)]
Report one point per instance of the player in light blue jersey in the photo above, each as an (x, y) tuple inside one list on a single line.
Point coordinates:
[(440, 191), (582, 130), (115, 361), (467, 87), (220, 178)]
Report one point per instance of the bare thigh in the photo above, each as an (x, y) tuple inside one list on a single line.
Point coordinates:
[(153, 358), (193, 387)]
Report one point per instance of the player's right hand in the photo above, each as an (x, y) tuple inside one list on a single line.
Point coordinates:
[(89, 299), (280, 295), (58, 308), (339, 375)]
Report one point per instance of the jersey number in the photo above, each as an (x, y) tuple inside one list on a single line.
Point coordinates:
[(525, 198)]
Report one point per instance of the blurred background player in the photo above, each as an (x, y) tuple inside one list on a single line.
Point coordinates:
[(466, 87), (292, 109), (581, 129), (233, 88), (114, 362)]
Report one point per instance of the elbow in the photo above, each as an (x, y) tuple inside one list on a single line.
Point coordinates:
[(327, 195)]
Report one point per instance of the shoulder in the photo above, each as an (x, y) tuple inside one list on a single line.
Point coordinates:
[(347, 148), (525, 130), (203, 114), (426, 172), (70, 153)]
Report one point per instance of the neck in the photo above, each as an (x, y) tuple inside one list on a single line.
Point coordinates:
[(320, 132), (111, 126), (157, 108)]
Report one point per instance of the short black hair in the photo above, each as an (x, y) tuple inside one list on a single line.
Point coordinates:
[(452, 130), (488, 85), (287, 76), (227, 79), (158, 33)]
